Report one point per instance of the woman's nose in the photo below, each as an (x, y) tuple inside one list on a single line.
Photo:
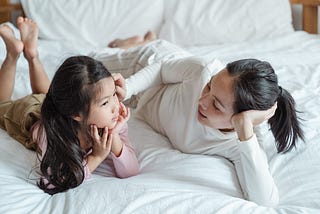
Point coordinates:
[(204, 101)]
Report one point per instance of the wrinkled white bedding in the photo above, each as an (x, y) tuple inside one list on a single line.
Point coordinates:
[(170, 181)]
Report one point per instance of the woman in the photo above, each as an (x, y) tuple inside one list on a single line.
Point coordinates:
[(213, 109)]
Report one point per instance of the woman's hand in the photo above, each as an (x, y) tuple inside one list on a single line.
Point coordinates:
[(120, 82), (243, 122)]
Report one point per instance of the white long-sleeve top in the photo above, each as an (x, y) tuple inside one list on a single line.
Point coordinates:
[(170, 107)]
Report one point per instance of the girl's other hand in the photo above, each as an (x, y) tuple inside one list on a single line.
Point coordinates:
[(124, 115), (120, 83), (101, 144)]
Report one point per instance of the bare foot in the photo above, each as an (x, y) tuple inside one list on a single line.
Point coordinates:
[(126, 43), (150, 36), (133, 41), (29, 37), (14, 46)]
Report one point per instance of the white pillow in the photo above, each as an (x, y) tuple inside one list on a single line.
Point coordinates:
[(96, 22), (203, 22)]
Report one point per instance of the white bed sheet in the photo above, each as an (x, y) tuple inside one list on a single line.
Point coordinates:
[(170, 181)]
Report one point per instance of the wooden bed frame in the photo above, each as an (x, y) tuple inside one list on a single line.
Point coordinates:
[(309, 13)]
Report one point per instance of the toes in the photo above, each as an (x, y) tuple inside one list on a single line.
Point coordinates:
[(113, 44), (20, 20), (149, 36)]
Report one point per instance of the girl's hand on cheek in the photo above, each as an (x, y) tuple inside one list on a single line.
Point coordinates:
[(101, 144), (124, 115)]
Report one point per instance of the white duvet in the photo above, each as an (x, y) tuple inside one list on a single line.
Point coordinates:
[(170, 181)]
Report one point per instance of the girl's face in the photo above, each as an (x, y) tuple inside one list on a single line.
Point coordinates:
[(215, 106), (104, 109)]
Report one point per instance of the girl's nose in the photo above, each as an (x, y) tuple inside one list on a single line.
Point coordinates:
[(116, 105), (115, 108)]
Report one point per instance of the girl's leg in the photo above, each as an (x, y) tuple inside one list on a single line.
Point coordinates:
[(8, 69), (29, 36)]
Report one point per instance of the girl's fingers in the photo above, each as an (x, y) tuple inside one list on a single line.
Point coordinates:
[(123, 109), (95, 133), (128, 113), (109, 142), (120, 118), (104, 137)]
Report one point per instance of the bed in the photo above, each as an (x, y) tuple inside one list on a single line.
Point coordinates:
[(171, 181)]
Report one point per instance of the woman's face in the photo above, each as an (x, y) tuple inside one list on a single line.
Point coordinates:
[(215, 106), (104, 109)]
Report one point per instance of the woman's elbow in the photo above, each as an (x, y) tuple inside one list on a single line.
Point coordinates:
[(267, 200)]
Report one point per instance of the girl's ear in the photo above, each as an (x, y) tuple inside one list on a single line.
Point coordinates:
[(77, 118)]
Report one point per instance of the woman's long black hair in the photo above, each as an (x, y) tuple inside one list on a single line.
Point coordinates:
[(256, 87), (69, 95)]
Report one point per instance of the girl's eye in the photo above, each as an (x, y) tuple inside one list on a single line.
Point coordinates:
[(105, 103), (114, 94)]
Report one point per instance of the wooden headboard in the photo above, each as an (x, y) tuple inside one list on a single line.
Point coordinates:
[(309, 13), (7, 10)]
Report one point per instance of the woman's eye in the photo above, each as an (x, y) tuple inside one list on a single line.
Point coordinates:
[(214, 106), (105, 103), (114, 94)]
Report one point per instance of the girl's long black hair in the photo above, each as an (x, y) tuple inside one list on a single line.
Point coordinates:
[(69, 95), (256, 87)]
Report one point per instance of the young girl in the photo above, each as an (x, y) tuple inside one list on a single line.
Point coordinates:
[(213, 109), (81, 121)]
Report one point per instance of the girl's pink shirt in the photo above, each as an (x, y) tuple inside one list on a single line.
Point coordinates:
[(125, 165)]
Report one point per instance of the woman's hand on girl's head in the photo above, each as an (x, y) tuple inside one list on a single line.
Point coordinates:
[(124, 115), (101, 144), (120, 83)]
